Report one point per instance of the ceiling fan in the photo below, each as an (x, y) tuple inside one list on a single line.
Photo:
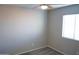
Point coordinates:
[(50, 6), (44, 6)]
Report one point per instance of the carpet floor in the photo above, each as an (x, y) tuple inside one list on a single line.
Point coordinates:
[(43, 51)]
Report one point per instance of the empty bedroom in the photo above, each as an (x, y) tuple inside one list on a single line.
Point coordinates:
[(39, 29)]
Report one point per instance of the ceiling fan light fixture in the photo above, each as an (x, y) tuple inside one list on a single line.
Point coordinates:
[(44, 7)]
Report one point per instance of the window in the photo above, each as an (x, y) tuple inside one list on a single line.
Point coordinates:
[(70, 27)]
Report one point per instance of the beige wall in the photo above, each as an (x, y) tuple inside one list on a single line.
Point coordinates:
[(68, 46), (21, 29)]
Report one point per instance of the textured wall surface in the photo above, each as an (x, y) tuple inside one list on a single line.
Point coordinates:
[(21, 29), (68, 46)]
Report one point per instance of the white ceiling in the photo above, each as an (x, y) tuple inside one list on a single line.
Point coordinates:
[(60, 5), (30, 6)]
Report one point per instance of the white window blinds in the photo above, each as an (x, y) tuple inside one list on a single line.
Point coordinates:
[(70, 27)]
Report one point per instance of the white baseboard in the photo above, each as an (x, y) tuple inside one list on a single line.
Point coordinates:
[(40, 48), (4, 54), (56, 50), (30, 50)]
